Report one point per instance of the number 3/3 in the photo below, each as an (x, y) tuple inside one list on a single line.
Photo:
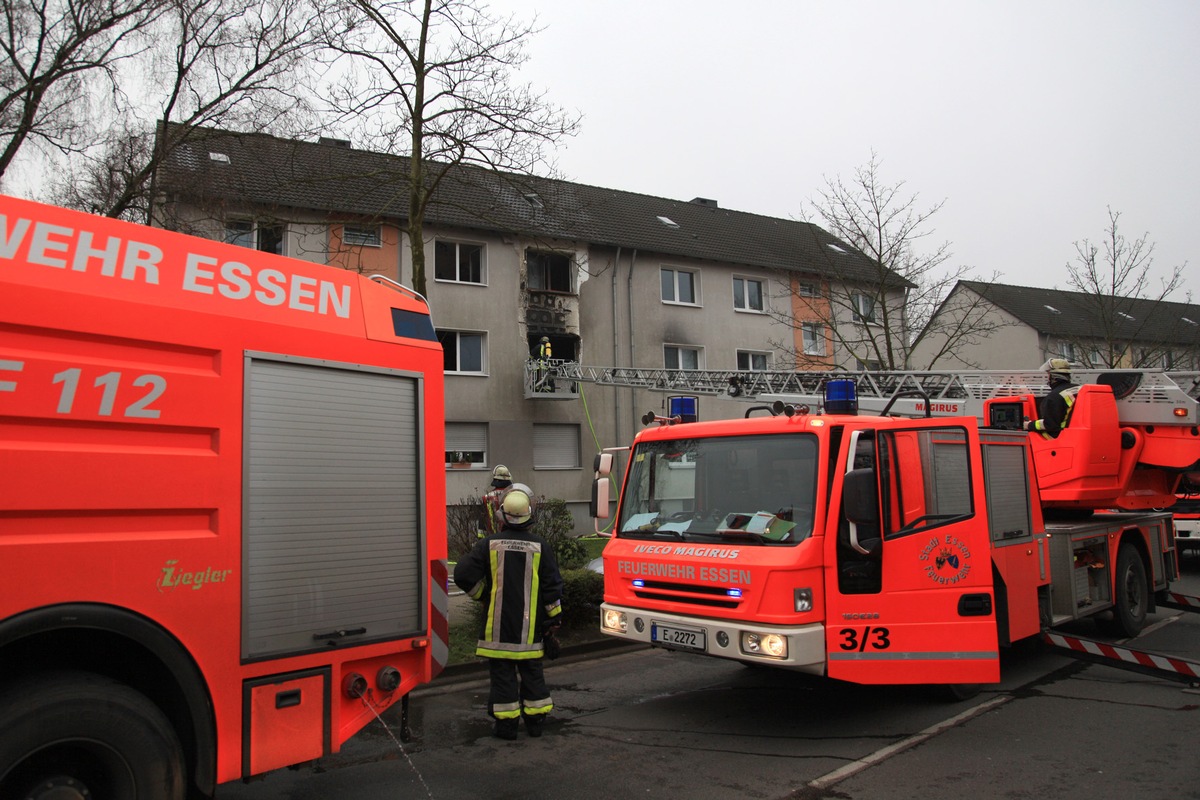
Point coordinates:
[(875, 638)]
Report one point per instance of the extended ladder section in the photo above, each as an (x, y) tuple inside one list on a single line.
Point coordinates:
[(1144, 397)]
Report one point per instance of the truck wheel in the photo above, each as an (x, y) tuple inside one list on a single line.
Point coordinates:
[(1132, 599), (68, 735)]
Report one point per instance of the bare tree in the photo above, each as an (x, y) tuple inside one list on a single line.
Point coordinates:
[(1120, 303), (52, 50), (433, 80), (236, 64), (878, 304)]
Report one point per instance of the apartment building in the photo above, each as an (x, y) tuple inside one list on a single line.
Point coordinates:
[(608, 277)]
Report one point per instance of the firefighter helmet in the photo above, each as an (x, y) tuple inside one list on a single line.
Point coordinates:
[(516, 505), (501, 477), (1057, 366)]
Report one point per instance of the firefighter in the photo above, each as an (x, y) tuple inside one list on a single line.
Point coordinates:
[(545, 353), (1055, 407), (515, 573), (501, 480)]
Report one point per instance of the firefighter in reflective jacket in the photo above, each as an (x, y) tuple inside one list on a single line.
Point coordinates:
[(1055, 407), (501, 480), (515, 572)]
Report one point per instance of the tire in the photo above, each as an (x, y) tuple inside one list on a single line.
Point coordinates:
[(956, 692), (75, 734), (1132, 601)]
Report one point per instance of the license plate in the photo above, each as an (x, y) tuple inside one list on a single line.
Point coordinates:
[(675, 636)]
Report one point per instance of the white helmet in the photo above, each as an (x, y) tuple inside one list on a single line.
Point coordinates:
[(1057, 366), (516, 505)]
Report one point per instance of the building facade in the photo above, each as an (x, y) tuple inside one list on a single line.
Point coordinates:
[(607, 278)]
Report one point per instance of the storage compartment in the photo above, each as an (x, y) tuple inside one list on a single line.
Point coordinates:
[(287, 720)]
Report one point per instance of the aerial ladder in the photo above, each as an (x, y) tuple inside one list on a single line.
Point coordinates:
[(1144, 397)]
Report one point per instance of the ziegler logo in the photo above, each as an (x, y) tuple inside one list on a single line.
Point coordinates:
[(860, 615), (173, 579)]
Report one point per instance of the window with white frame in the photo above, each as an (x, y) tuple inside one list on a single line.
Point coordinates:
[(864, 307), (548, 271), (247, 233), (466, 444), (747, 294), (460, 262), (680, 357), (809, 290), (753, 361), (556, 446), (362, 235), (813, 336), (679, 286), (463, 352)]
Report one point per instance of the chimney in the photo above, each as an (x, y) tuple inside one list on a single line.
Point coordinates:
[(704, 201)]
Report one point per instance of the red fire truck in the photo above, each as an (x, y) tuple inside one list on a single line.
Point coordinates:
[(221, 542), (888, 549)]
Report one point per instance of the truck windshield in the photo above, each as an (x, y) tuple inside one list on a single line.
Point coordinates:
[(755, 489)]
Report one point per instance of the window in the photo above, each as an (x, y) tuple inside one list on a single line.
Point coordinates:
[(458, 261), (556, 447), (463, 352), (548, 272), (752, 361), (679, 286), (940, 458), (747, 294), (244, 233), (466, 443), (678, 357), (813, 334), (363, 236), (809, 290), (864, 307)]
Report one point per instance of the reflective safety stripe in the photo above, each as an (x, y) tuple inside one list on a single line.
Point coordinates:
[(487, 650), (541, 707), (477, 590), (506, 710), (951, 655), (554, 609)]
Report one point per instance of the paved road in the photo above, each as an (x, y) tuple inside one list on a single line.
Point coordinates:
[(664, 725)]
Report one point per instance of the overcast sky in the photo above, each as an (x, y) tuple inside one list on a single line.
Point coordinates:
[(1029, 119)]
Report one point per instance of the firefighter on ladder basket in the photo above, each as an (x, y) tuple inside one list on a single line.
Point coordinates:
[(1055, 408), (545, 377)]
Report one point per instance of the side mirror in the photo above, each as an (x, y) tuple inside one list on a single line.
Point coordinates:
[(599, 502), (860, 498), (602, 464)]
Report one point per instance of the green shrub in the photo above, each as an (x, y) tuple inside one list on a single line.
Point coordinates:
[(583, 591), (462, 524), (555, 524)]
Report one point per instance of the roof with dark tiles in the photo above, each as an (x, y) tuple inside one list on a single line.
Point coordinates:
[(214, 167), (1077, 315)]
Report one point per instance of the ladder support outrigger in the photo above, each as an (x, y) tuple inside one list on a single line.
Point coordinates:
[(1120, 656)]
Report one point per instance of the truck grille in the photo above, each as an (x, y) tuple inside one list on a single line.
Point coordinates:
[(712, 596)]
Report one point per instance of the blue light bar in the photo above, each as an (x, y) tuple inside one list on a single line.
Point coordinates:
[(639, 583), (734, 592), (841, 397)]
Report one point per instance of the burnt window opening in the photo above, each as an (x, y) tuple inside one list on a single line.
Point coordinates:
[(547, 271)]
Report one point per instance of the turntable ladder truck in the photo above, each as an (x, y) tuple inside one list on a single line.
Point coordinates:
[(891, 549), (222, 543)]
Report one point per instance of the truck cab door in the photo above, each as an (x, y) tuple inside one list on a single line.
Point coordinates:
[(911, 600)]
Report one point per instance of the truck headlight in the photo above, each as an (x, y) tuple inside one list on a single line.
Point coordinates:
[(614, 621), (771, 645)]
